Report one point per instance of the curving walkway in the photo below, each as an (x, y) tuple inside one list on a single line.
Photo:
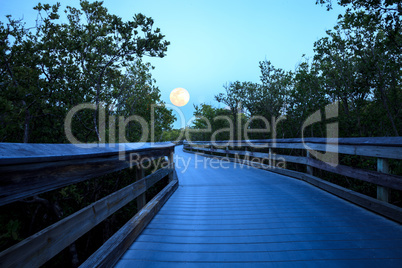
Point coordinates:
[(237, 216)]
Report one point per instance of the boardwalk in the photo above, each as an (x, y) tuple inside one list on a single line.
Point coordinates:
[(249, 217)]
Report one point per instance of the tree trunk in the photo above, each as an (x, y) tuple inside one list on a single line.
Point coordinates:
[(391, 119), (26, 123), (56, 211)]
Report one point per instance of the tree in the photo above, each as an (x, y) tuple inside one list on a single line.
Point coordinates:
[(267, 100), (275, 86), (95, 57), (173, 135), (362, 58), (56, 66), (136, 94), (211, 123), (233, 100), (305, 97), (20, 94)]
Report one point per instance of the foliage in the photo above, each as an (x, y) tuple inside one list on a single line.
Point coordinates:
[(357, 64), (81, 55), (210, 120), (95, 57), (173, 135)]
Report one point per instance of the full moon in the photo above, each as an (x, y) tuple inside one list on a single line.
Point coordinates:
[(179, 96)]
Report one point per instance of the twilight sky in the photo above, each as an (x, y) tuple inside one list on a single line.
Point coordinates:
[(214, 42)]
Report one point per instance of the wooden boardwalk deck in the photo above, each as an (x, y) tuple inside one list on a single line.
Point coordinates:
[(249, 217)]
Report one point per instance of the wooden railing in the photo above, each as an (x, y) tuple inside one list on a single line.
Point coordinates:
[(383, 149), (31, 169)]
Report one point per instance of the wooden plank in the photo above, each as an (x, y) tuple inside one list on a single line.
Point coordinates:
[(127, 156), (258, 219), (375, 141), (42, 246), (171, 162), (163, 172), (383, 167), (17, 153), (308, 166), (39, 248), (288, 158), (141, 199), (25, 180), (385, 147), (113, 249), (362, 150), (387, 180), (382, 208)]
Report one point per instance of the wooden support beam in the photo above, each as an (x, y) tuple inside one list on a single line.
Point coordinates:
[(171, 162), (42, 246), (22, 180), (114, 248), (270, 156), (375, 177), (383, 167), (309, 168), (385, 147), (141, 199)]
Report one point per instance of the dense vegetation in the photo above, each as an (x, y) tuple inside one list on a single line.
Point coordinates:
[(358, 63), (82, 55), (87, 55)]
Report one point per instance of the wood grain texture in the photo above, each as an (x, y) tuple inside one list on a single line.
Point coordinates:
[(239, 216), (111, 251), (382, 208), (17, 153), (39, 248), (382, 168), (382, 141), (387, 180), (23, 180), (171, 161), (385, 147), (379, 178), (141, 199)]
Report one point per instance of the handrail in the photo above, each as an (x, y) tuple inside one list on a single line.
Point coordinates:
[(383, 148), (30, 169), (387, 141), (59, 165)]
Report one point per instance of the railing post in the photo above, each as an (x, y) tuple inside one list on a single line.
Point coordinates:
[(270, 160), (227, 149), (309, 168), (383, 167), (171, 161), (141, 199)]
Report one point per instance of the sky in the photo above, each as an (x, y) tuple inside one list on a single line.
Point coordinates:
[(214, 42)]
